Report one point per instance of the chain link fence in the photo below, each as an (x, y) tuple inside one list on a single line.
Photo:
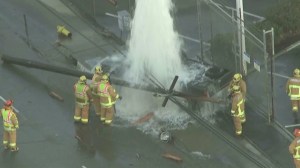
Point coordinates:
[(227, 52)]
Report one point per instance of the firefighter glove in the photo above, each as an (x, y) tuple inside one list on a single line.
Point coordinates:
[(17, 126)]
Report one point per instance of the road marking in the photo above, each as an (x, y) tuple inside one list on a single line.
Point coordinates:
[(16, 110), (279, 75)]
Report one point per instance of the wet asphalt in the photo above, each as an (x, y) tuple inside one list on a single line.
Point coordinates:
[(48, 137)]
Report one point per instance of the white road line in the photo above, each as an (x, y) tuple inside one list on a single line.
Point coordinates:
[(16, 110), (279, 75)]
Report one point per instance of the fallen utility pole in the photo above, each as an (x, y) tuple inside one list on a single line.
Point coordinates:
[(77, 73), (72, 72)]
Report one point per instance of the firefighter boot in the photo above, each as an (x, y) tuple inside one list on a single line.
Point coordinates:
[(15, 149)]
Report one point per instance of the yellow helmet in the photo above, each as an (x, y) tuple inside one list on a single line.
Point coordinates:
[(105, 77), (237, 77), (82, 79), (236, 88), (296, 72), (98, 69)]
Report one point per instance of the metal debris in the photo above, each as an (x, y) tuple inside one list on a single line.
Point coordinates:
[(165, 136), (56, 96)]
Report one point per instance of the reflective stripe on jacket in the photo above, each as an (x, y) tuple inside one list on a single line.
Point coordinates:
[(241, 112), (238, 105), (242, 84), (81, 93), (106, 99), (297, 153), (294, 94), (6, 115), (293, 88)]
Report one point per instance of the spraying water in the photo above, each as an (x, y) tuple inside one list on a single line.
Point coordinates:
[(154, 47), (154, 50)]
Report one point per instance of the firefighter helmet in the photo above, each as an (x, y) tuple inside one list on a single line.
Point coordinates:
[(105, 77), (82, 79), (296, 72), (8, 103), (98, 69), (297, 132), (237, 77)]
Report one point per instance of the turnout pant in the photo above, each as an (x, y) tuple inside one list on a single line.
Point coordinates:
[(10, 139), (82, 113), (107, 114), (238, 125), (297, 163), (97, 104), (295, 105)]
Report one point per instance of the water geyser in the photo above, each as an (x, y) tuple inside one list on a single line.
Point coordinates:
[(154, 46)]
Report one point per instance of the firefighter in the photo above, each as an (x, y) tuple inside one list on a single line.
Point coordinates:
[(293, 90), (108, 97), (294, 148), (238, 80), (83, 98), (10, 124), (238, 109), (95, 82)]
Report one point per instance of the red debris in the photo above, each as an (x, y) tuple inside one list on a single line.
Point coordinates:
[(172, 156), (145, 118)]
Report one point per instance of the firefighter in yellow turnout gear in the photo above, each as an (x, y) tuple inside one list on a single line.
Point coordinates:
[(10, 124), (294, 148), (238, 109), (94, 84), (108, 97), (83, 98), (293, 90)]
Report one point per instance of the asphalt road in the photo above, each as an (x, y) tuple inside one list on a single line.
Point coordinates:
[(47, 135)]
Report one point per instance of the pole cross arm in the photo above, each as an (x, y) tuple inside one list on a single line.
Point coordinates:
[(170, 91)]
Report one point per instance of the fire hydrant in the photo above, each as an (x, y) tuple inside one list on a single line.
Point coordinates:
[(63, 31)]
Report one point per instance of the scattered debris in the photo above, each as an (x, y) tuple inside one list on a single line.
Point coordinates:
[(78, 138), (172, 156), (165, 136), (138, 156), (143, 119), (56, 96), (200, 155), (83, 166), (61, 30)]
